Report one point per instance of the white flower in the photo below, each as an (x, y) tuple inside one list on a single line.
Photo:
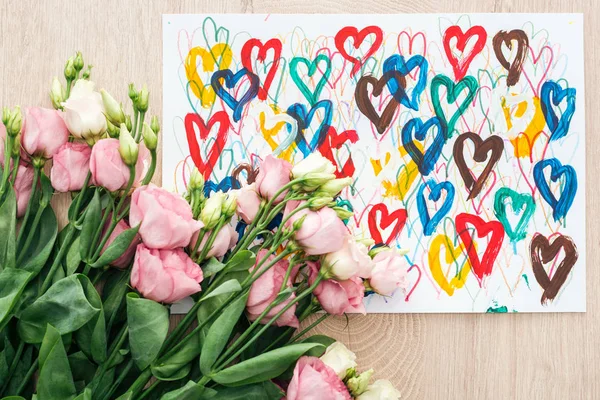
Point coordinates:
[(381, 389), (84, 112), (334, 187), (211, 212), (349, 261), (339, 358), (315, 169)]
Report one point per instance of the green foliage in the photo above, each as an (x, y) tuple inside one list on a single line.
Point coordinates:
[(148, 327)]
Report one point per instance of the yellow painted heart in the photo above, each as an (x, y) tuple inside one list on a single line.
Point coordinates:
[(452, 255), (219, 56), (524, 141), (408, 173), (376, 163), (273, 122)]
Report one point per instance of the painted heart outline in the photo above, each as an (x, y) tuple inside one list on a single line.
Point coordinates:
[(416, 129), (273, 44), (553, 94), (363, 102), (560, 207), (452, 92), (514, 69), (312, 66), (397, 62), (435, 193), (359, 37), (194, 120), (397, 218), (461, 66), (231, 80), (304, 118), (521, 203)]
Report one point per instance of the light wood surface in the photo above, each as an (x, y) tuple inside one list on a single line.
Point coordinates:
[(522, 356)]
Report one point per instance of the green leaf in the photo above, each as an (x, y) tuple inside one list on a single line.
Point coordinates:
[(178, 365), (8, 221), (73, 258), (64, 306), (6, 358), (231, 286), (211, 267), (91, 338), (83, 369), (326, 341), (55, 380), (258, 391), (191, 391), (148, 328), (219, 333), (21, 370), (12, 284), (91, 222), (263, 367), (42, 245), (13, 398), (87, 197), (117, 247), (114, 291), (86, 395), (241, 261), (125, 396)]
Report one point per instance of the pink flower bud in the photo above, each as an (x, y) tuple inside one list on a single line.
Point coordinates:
[(274, 173), (70, 167), (44, 132)]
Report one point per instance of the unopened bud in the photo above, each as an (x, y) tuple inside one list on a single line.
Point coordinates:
[(150, 138), (128, 122), (88, 72), (154, 124), (113, 109), (211, 212), (15, 122), (334, 187), (113, 131), (133, 94), (316, 203), (16, 150), (57, 94), (5, 115), (298, 223), (358, 384), (229, 205), (78, 62), (142, 100), (368, 242), (342, 213), (196, 181), (128, 148), (70, 73)]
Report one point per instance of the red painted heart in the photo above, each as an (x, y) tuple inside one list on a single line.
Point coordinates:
[(272, 44), (480, 267), (194, 120), (460, 65), (336, 141), (398, 218), (351, 32)]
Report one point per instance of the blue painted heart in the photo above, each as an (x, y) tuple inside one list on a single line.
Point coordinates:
[(553, 94), (231, 80), (425, 161), (398, 63), (225, 185), (435, 193), (560, 206), (304, 117)]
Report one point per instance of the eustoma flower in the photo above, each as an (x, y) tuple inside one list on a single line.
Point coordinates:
[(23, 183), (389, 273), (339, 297), (381, 389), (165, 276), (70, 167), (107, 166), (225, 239), (248, 203), (339, 358), (84, 112), (165, 219), (44, 132), (351, 259), (314, 380), (274, 173)]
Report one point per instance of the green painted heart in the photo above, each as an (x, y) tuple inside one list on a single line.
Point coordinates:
[(311, 96), (522, 203), (452, 92)]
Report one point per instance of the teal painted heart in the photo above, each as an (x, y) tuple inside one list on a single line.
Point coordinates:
[(311, 96), (452, 92), (522, 204)]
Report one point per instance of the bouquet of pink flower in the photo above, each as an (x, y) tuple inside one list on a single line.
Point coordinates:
[(84, 310)]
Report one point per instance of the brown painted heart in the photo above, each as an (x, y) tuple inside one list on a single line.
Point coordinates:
[(522, 41), (251, 174), (543, 252), (493, 144), (363, 102)]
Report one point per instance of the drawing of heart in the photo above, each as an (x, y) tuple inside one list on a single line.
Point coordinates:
[(225, 185), (231, 80), (461, 65), (452, 92), (219, 57), (410, 291), (248, 62), (313, 96), (522, 43), (543, 252), (271, 124), (481, 267), (304, 119), (560, 207), (493, 144), (251, 174), (335, 140), (415, 129), (194, 120), (397, 218), (397, 62), (521, 203), (553, 94), (435, 193), (363, 102), (452, 255), (358, 38)]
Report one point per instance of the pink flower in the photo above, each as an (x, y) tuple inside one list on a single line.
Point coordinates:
[(339, 297), (127, 256), (266, 288), (23, 183), (321, 232), (44, 132), (109, 170), (166, 218), (166, 276), (351, 259), (70, 167), (226, 239), (248, 203), (274, 173), (390, 272), (313, 380)]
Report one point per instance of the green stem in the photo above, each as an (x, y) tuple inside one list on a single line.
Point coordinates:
[(209, 241), (138, 135), (28, 376), (30, 234), (6, 171), (13, 366), (68, 91), (15, 161), (136, 116), (150, 389), (81, 195), (36, 177), (119, 380), (151, 170), (140, 382), (57, 260), (114, 350), (308, 328)]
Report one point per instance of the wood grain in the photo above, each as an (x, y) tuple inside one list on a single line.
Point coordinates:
[(534, 356)]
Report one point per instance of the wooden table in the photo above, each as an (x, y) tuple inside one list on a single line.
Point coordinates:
[(534, 356)]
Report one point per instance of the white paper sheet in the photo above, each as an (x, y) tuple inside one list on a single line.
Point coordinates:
[(530, 120)]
